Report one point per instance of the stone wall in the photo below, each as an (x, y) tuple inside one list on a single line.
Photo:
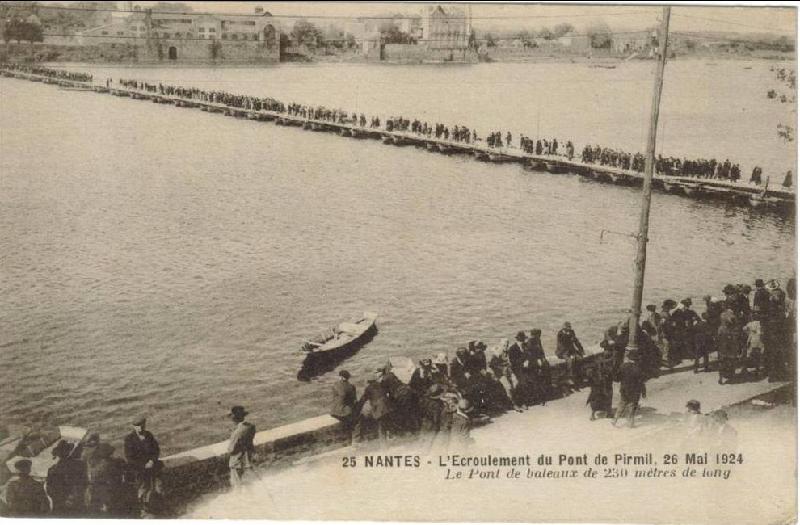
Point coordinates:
[(203, 51), (188, 475), (416, 53)]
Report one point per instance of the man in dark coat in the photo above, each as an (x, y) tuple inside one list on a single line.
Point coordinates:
[(432, 409), (684, 319), (423, 377), (703, 342), (380, 408), (104, 493), (570, 349), (66, 482), (343, 400), (631, 389), (142, 453), (459, 369), (728, 335), (541, 376), (404, 400), (774, 334), (760, 301), (25, 497), (476, 358), (343, 404)]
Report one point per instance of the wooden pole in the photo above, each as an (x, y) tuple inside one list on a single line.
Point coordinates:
[(644, 219)]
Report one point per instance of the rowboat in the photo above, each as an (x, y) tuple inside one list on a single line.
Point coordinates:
[(324, 352)]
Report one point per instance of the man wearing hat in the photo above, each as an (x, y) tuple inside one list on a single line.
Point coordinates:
[(422, 377), (344, 397), (685, 320), (380, 408), (459, 369), (570, 349), (696, 422), (440, 373), (141, 453), (760, 300), (66, 482), (650, 322), (240, 446), (667, 331), (104, 493), (343, 403), (631, 389), (25, 497)]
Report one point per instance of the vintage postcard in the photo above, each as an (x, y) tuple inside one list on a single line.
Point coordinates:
[(430, 262)]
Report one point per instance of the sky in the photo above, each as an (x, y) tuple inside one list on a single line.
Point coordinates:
[(777, 20)]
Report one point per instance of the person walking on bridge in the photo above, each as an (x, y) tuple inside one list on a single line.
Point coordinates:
[(240, 446)]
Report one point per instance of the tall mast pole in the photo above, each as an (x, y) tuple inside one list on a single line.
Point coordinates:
[(644, 220)]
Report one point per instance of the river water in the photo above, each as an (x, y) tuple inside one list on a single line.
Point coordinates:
[(169, 262)]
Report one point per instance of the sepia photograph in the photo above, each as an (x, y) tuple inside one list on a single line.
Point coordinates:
[(398, 261)]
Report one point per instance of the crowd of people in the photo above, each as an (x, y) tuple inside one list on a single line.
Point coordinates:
[(753, 339), (669, 166), (88, 480), (47, 72)]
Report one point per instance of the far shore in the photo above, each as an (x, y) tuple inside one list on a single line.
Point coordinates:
[(359, 60)]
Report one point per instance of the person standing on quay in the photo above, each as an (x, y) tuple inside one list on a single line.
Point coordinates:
[(570, 349), (66, 482), (380, 409), (685, 320), (240, 446), (343, 404), (25, 497), (141, 453), (631, 389)]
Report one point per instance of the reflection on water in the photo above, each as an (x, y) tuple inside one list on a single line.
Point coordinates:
[(167, 261)]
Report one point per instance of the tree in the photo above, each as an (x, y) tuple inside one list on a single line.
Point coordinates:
[(600, 36), (562, 29), (546, 34), (350, 40), (14, 30), (32, 32), (490, 41), (525, 37), (304, 32), (393, 35)]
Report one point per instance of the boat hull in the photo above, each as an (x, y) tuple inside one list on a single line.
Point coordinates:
[(317, 363)]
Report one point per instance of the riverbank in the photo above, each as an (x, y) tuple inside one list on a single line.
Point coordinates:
[(125, 55)]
